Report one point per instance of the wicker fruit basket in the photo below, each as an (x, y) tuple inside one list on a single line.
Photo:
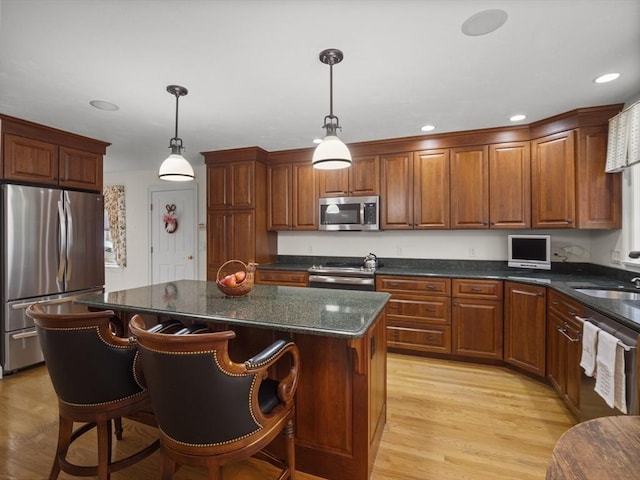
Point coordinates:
[(237, 287)]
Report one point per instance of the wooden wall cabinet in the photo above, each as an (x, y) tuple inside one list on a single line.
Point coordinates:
[(525, 326), (470, 187), (280, 277), (510, 185), (415, 190), (553, 181), (418, 314), (431, 198), (37, 154), (236, 217), (564, 347), (599, 194), (477, 324), (396, 206), (361, 179), (292, 197), (231, 185)]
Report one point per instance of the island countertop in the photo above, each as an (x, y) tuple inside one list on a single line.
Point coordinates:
[(326, 312)]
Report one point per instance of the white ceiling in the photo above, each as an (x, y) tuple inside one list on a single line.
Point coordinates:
[(254, 77)]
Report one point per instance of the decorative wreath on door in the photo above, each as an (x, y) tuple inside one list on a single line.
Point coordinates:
[(169, 218)]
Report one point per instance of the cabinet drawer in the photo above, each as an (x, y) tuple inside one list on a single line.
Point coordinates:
[(413, 285), (432, 339), (471, 288), (566, 307), (274, 277), (427, 309)]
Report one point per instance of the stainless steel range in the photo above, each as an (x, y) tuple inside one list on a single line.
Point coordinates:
[(344, 276)]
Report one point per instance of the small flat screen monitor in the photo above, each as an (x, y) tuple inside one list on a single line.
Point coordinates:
[(529, 251)]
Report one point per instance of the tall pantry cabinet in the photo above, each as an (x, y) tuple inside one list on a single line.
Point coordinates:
[(236, 213)]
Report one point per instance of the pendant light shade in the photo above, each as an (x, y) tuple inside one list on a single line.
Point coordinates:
[(331, 153), (176, 168)]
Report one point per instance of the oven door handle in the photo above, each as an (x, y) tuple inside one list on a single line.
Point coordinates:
[(336, 280)]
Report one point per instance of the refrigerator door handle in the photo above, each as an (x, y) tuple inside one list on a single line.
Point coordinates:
[(23, 335), (62, 263), (69, 236)]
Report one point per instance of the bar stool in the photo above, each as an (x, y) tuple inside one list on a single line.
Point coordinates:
[(211, 410), (93, 375)]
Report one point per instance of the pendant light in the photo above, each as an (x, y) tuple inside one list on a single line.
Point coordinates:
[(176, 168), (332, 153)]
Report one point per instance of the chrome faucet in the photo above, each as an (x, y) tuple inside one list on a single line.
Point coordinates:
[(636, 280)]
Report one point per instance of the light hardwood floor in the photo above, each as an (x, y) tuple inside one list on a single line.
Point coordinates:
[(446, 420)]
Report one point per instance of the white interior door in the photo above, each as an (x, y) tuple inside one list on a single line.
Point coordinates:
[(173, 243)]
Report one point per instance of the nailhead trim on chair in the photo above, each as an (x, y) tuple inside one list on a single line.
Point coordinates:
[(123, 347), (215, 359), (106, 403)]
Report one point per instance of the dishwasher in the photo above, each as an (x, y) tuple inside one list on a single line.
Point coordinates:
[(593, 405)]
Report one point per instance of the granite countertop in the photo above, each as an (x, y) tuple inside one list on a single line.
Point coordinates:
[(324, 312), (564, 277)]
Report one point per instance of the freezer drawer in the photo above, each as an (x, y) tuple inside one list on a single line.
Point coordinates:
[(20, 349), (15, 318)]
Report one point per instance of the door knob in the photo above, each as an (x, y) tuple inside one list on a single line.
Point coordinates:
[(190, 257)]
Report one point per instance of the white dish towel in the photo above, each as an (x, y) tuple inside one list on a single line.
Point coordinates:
[(610, 376), (589, 344)]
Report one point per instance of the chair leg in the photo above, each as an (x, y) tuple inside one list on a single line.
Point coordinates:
[(214, 471), (117, 424), (65, 430), (290, 449), (104, 448), (168, 467)]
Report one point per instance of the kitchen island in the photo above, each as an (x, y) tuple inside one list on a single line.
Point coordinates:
[(341, 397)]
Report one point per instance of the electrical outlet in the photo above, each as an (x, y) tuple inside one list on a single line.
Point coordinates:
[(310, 249), (472, 252), (399, 251), (615, 256)]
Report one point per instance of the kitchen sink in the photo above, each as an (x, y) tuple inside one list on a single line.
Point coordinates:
[(612, 294)]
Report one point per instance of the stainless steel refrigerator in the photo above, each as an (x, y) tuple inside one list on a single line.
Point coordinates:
[(52, 247)]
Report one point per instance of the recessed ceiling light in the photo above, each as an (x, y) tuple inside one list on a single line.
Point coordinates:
[(484, 22), (609, 77), (102, 105), (317, 140), (427, 128), (517, 118)]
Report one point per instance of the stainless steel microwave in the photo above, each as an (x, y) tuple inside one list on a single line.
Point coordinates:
[(349, 213)]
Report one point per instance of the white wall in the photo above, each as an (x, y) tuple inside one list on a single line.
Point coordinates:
[(137, 184), (430, 244)]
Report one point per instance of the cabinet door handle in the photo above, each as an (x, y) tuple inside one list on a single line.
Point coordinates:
[(476, 289), (563, 331)]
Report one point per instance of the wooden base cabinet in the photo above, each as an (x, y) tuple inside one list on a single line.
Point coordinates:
[(418, 314), (477, 318), (564, 347), (280, 277), (341, 401), (525, 326)]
